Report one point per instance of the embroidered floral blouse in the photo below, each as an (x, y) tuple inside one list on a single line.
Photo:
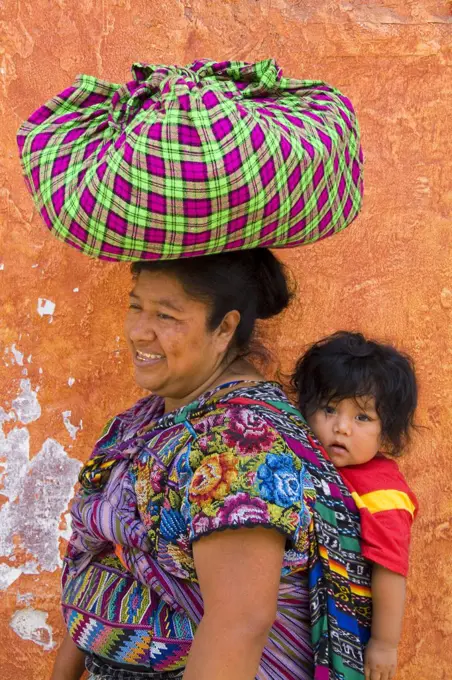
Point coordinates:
[(153, 486), (237, 457)]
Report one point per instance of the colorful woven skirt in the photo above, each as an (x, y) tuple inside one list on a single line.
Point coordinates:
[(189, 161)]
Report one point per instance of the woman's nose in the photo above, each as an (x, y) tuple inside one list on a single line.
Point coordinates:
[(141, 330)]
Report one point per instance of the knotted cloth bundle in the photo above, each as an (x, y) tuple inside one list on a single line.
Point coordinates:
[(188, 161)]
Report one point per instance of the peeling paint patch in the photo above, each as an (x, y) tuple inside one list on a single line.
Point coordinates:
[(4, 417), (32, 518), (46, 307), (2, 266), (38, 492), (71, 381), (26, 404), (25, 598), (18, 356), (72, 429), (75, 290), (67, 532), (10, 574), (31, 624)]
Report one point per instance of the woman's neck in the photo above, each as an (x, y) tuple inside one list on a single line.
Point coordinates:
[(238, 369)]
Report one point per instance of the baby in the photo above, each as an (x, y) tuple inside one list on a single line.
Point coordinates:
[(359, 398)]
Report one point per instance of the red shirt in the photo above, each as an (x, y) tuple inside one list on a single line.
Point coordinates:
[(387, 507)]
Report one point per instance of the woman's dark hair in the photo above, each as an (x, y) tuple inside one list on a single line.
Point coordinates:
[(251, 281), (347, 366)]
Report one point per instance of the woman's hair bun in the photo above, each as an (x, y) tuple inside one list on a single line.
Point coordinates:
[(274, 294)]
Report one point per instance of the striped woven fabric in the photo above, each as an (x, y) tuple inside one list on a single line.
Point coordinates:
[(191, 161)]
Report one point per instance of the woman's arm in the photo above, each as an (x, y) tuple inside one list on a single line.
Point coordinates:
[(239, 572), (388, 600), (70, 661)]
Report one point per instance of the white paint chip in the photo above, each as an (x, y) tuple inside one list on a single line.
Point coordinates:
[(31, 624), (75, 290), (67, 533), (71, 381), (18, 356), (2, 266), (25, 598), (26, 404), (4, 417), (72, 429), (33, 266), (45, 307), (10, 574)]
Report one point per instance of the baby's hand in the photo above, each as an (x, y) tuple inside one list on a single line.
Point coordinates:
[(380, 660)]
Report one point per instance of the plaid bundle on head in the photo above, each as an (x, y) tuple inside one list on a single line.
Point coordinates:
[(193, 161)]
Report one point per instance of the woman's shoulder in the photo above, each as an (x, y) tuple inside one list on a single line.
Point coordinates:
[(251, 416), (248, 393)]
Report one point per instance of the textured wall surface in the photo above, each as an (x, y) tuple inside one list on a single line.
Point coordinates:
[(64, 368)]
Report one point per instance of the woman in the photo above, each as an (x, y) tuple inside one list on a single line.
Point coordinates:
[(211, 539)]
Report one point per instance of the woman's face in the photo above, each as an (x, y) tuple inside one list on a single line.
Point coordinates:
[(172, 349)]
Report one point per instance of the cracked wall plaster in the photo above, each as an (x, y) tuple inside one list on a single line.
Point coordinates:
[(31, 624), (37, 492)]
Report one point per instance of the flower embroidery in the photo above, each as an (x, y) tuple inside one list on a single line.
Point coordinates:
[(248, 433), (157, 478), (279, 481), (206, 425), (242, 509), (213, 478), (201, 524)]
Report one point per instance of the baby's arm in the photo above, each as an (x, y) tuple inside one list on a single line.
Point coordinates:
[(388, 597)]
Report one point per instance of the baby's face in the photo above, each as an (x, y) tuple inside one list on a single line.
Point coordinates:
[(349, 430)]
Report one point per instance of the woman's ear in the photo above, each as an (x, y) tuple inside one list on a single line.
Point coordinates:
[(226, 330)]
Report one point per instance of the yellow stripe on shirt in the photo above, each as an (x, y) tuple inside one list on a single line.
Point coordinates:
[(384, 499)]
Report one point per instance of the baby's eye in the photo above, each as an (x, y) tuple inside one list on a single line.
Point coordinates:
[(363, 417), (329, 410)]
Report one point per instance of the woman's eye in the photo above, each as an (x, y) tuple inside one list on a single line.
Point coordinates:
[(134, 306), (165, 317)]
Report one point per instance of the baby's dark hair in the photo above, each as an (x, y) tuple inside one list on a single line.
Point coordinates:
[(348, 366)]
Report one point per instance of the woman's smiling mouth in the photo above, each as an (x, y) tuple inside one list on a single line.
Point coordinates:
[(142, 359)]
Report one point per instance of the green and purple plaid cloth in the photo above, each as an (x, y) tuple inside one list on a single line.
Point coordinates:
[(188, 161)]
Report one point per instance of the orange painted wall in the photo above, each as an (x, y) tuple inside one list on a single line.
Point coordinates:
[(389, 274)]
